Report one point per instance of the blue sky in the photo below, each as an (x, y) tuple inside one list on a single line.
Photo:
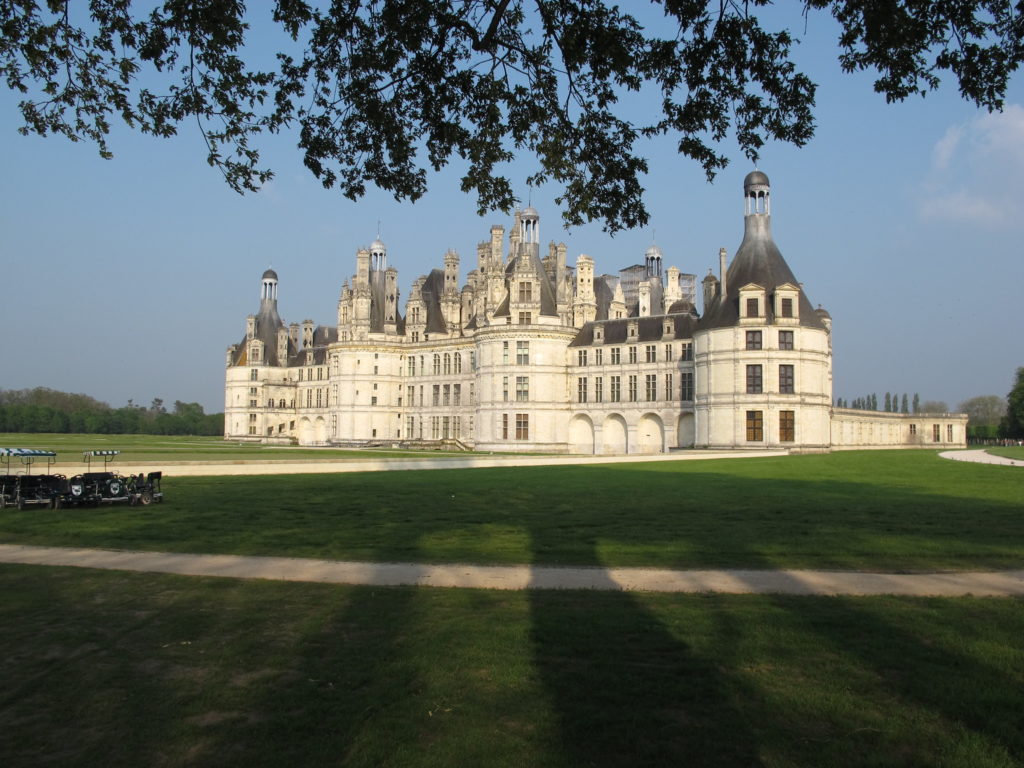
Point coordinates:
[(128, 278)]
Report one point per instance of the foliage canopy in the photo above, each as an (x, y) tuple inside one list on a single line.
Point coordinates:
[(380, 91)]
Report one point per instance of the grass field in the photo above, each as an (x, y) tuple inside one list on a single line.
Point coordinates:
[(155, 448), (896, 510), (103, 668), (108, 668)]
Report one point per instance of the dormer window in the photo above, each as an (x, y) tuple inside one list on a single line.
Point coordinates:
[(786, 307), (598, 334), (752, 304), (525, 291)]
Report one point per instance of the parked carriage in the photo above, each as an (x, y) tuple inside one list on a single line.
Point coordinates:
[(23, 489)]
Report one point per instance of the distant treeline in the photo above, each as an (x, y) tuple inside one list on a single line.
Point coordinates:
[(47, 410)]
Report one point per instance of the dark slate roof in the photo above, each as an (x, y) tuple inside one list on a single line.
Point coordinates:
[(548, 302), (603, 294), (377, 301), (648, 330), (267, 324), (757, 261), (433, 288)]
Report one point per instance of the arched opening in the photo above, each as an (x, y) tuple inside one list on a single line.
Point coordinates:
[(686, 431), (306, 432), (613, 433), (320, 430), (581, 435), (650, 434)]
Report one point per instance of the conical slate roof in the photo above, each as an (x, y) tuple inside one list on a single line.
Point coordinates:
[(760, 262)]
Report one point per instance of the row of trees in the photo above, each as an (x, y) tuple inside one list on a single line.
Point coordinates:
[(893, 403), (48, 410)]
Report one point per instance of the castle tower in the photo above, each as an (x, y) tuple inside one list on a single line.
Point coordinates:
[(652, 261)]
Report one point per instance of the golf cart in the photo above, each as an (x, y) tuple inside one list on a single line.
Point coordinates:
[(93, 488)]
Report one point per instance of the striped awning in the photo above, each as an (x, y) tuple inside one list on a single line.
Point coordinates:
[(100, 453), (25, 452)]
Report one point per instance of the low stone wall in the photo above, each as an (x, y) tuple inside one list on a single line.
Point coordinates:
[(858, 430)]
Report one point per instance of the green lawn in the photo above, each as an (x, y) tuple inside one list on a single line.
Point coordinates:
[(105, 668), (873, 510), (155, 448)]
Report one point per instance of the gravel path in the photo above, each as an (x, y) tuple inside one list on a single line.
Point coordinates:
[(981, 457), (951, 584)]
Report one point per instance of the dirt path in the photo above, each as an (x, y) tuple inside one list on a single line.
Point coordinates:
[(981, 457), (952, 584)]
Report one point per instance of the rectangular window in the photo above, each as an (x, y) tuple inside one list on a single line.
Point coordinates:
[(616, 355), (504, 353), (522, 388), (753, 379), (525, 291), (753, 339), (437, 395), (522, 426), (668, 386), (522, 353), (598, 390), (421, 403), (632, 354), (752, 308), (787, 426), (446, 427), (447, 397), (254, 374), (935, 433), (786, 379), (373, 400), (435, 427), (581, 389), (525, 318), (787, 307), (913, 430), (632, 388), (581, 357), (949, 433), (755, 426), (616, 388), (412, 365), (456, 394), (651, 387), (504, 426), (598, 356), (668, 352), (651, 353), (686, 351), (412, 400), (410, 426), (504, 388), (785, 339)]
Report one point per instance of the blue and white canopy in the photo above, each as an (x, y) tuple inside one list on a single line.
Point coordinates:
[(25, 452)]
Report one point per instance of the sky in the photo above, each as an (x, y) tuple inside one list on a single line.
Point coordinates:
[(127, 279)]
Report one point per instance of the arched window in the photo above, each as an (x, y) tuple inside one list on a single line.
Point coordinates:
[(458, 362), (437, 363), (447, 363)]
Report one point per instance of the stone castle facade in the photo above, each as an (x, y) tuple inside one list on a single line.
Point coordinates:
[(533, 354)]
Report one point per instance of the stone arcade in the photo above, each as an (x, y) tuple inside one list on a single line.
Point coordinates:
[(533, 354)]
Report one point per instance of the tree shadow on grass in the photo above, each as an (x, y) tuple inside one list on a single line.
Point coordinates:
[(625, 691)]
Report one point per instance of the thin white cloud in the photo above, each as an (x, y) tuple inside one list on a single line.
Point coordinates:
[(975, 168)]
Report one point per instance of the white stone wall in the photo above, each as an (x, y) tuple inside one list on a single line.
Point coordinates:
[(721, 359), (854, 429)]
